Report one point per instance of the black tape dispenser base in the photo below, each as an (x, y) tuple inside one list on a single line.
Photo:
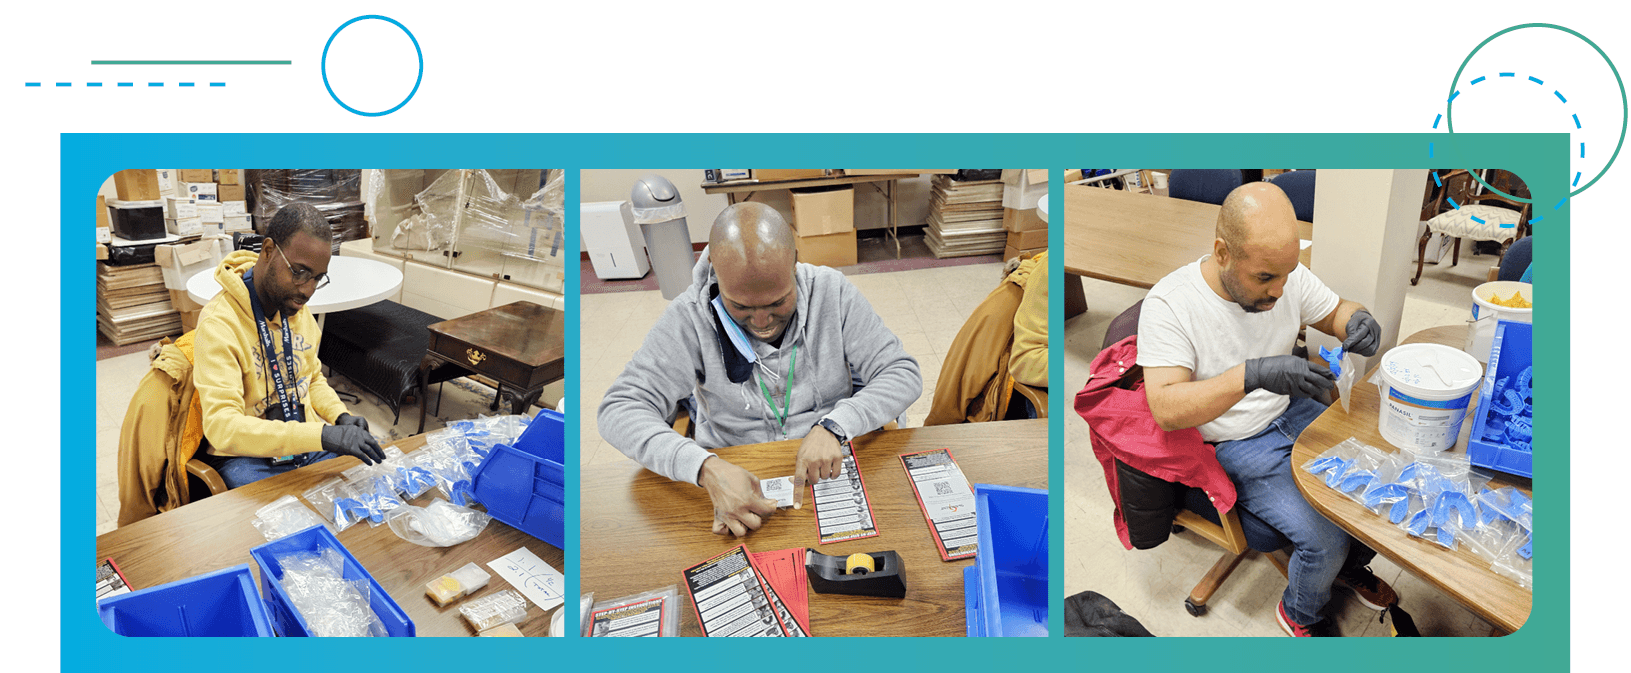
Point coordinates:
[(881, 574)]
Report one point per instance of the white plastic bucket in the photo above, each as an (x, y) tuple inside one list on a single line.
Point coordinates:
[(1426, 389), (1481, 331)]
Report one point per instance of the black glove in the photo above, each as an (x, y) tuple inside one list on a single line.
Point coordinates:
[(1363, 334), (1288, 375), (350, 440), (350, 419)]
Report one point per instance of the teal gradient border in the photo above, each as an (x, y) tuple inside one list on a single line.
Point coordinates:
[(1541, 159)]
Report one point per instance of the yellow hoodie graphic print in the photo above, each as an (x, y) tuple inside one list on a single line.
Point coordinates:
[(233, 385)]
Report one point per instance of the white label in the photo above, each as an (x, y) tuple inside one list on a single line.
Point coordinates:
[(230, 208)]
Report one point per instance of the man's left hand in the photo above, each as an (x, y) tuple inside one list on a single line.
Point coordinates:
[(1363, 334), (352, 419), (820, 457)]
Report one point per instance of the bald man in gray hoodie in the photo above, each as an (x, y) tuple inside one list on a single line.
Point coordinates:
[(765, 349)]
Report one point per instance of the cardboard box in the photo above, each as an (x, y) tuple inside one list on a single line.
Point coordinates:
[(167, 181), (183, 301), (180, 261), (186, 226), (137, 184), (229, 176), (101, 251), (202, 191), (1014, 219), (210, 212), (1019, 177), (1010, 252), (899, 171), (821, 211), (178, 209), (1028, 240), (236, 223), (1023, 193), (229, 192), (102, 231), (231, 208), (828, 250), (189, 320), (197, 174), (777, 174)]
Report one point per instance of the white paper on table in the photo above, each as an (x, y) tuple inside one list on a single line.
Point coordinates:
[(538, 581)]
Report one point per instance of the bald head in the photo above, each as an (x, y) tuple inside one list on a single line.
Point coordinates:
[(1257, 217), (754, 252)]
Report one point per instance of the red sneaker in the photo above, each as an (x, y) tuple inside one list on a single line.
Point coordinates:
[(1320, 629)]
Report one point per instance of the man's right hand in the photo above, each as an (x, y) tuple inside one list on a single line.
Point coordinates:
[(739, 505), (1288, 375), (350, 440)]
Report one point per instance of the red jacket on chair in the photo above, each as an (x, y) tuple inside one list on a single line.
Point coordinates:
[(1122, 428)]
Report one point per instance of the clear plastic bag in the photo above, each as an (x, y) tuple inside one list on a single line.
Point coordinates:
[(630, 615), (284, 517), (1346, 369), (1390, 487), (1511, 504), (453, 476), (331, 605), (504, 607), (412, 476), (439, 524), (1349, 467), (333, 499), (1515, 561)]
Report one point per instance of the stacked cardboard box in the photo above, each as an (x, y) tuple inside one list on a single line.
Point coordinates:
[(132, 304), (1022, 190), (824, 219), (965, 217)]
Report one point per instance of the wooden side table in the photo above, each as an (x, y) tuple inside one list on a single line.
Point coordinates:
[(520, 345)]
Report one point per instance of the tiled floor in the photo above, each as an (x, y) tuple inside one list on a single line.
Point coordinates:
[(117, 378), (924, 308), (1151, 585)]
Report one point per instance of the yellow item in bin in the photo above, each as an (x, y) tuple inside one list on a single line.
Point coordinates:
[(859, 562), (457, 584), (502, 631), (1517, 301)]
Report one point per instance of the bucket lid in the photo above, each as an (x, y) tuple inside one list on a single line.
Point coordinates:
[(115, 203), (1431, 371)]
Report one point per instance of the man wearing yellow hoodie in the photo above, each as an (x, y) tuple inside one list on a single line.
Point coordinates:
[(267, 407)]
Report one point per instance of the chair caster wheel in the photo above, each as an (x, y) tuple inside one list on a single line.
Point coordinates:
[(1194, 610)]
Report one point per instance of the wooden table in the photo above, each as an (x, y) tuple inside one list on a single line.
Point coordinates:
[(1459, 574), (640, 530), (885, 184), (1137, 239), (216, 533), (520, 345)]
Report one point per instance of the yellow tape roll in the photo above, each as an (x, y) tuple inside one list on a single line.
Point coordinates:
[(859, 564)]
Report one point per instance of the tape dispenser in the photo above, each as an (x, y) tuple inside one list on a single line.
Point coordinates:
[(881, 574)]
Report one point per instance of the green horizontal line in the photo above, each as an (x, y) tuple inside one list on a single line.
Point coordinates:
[(190, 62)]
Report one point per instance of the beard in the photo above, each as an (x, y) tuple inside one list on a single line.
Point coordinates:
[(1239, 296)]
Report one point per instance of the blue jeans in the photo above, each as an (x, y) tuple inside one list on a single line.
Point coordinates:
[(1261, 469), (238, 470)]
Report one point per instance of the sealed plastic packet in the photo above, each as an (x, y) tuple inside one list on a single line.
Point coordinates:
[(1334, 465), (284, 517), (648, 614), (1345, 369), (504, 607), (334, 500), (439, 524), (457, 584), (585, 602), (1390, 486)]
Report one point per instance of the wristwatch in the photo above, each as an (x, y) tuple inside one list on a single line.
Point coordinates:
[(832, 427)]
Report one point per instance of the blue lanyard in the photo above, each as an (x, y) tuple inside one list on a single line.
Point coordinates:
[(291, 410)]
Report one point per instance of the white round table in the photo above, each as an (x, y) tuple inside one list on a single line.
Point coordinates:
[(354, 282), (1042, 208)]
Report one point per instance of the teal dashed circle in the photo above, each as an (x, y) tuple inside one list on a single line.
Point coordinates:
[(1624, 108), (417, 52)]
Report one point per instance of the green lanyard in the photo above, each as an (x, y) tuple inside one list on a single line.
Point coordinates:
[(787, 400)]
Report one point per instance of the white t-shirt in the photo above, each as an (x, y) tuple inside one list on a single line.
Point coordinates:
[(1185, 324)]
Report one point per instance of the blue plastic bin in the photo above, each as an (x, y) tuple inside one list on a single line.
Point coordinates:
[(221, 604), (285, 618), (1511, 351), (1005, 592), (525, 485)]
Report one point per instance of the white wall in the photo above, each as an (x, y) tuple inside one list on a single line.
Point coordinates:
[(871, 209), (1364, 237)]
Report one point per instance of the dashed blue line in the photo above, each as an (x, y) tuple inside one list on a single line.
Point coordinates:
[(1453, 94), (1453, 203), (1582, 150), (1429, 150), (1475, 218), (218, 83), (65, 83), (1560, 97), (126, 84), (1480, 79), (1437, 119), (1560, 203), (1536, 80), (185, 84), (1508, 74), (1536, 218), (31, 83), (1436, 179), (93, 84), (155, 83), (1576, 182), (1576, 121)]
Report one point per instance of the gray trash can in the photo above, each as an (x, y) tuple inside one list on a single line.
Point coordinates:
[(661, 215)]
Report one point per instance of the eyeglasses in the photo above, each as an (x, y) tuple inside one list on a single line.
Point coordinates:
[(302, 276)]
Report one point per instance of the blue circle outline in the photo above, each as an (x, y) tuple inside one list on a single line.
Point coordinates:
[(1625, 110), (417, 79)]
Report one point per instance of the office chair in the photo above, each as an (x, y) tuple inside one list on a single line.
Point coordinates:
[(1472, 219), (1210, 185), (1299, 187), (1237, 532)]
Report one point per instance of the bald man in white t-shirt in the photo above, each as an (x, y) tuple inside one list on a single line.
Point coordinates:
[(1215, 339)]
